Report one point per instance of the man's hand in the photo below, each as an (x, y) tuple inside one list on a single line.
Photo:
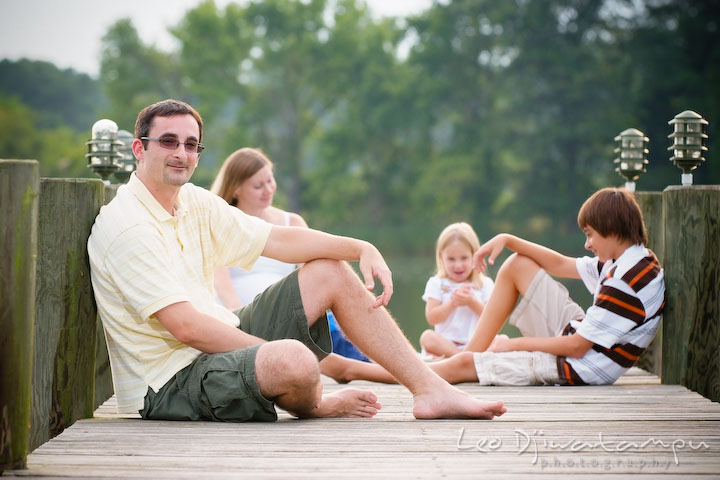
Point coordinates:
[(373, 265), (490, 249)]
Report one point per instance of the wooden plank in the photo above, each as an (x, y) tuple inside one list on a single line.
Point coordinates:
[(651, 204), (691, 331), (618, 431), (66, 316), (19, 189), (103, 374)]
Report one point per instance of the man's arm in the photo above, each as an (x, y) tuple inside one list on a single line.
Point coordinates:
[(573, 346), (201, 331), (556, 264), (301, 245)]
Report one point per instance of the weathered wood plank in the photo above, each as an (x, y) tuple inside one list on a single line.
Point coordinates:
[(65, 327), (691, 331), (651, 204), (664, 431), (103, 376), (19, 189)]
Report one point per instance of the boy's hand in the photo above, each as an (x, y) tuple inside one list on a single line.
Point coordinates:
[(490, 249)]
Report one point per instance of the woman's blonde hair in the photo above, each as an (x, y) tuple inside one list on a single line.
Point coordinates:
[(238, 167), (461, 232)]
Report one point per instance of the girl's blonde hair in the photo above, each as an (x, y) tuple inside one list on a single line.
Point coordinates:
[(461, 232), (238, 167)]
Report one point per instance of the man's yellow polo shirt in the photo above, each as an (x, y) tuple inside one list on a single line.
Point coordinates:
[(143, 259)]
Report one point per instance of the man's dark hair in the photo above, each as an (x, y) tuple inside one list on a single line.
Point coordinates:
[(614, 211), (166, 108)]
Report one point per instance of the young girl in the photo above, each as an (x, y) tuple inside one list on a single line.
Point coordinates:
[(456, 295)]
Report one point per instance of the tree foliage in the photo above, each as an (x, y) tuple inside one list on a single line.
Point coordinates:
[(58, 97), (499, 113), (60, 151), (134, 75)]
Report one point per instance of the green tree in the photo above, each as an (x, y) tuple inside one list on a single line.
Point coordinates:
[(284, 102), (60, 151), (214, 45), (58, 97), (672, 48), (134, 75), (522, 95), (461, 109), (364, 152)]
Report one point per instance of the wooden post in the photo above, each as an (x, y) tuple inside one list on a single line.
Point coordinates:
[(66, 325), (691, 333), (19, 187), (651, 204), (103, 377)]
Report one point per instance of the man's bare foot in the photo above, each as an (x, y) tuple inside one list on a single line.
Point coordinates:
[(348, 402), (449, 402)]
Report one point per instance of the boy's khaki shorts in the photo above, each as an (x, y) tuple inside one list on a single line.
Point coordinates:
[(222, 386), (544, 311)]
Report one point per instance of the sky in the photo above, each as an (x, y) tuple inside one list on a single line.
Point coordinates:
[(68, 32)]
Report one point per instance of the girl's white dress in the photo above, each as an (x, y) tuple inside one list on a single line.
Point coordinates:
[(460, 324)]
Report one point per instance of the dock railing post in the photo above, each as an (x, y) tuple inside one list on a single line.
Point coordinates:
[(19, 191), (103, 377), (66, 315), (651, 204), (691, 331)]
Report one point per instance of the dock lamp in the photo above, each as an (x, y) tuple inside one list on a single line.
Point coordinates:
[(126, 160), (632, 156), (103, 149), (688, 143)]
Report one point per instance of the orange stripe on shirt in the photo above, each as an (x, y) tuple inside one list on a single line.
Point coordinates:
[(622, 304), (627, 355), (643, 272), (568, 377)]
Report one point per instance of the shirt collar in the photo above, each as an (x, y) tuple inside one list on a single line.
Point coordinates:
[(632, 252), (138, 188)]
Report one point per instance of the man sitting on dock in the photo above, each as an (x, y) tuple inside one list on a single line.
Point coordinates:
[(176, 354)]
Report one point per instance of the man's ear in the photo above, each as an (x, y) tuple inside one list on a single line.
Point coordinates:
[(138, 149)]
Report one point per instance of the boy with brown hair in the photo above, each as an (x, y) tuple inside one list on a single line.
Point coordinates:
[(561, 344)]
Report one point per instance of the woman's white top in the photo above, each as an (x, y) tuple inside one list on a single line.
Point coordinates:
[(264, 273)]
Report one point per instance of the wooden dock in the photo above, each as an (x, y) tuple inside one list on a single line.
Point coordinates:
[(636, 426)]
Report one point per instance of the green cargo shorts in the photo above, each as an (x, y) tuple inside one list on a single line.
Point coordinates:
[(222, 386)]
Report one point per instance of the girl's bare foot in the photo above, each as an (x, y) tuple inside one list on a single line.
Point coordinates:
[(348, 402)]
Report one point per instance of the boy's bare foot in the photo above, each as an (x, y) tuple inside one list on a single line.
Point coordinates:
[(348, 402), (449, 402)]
